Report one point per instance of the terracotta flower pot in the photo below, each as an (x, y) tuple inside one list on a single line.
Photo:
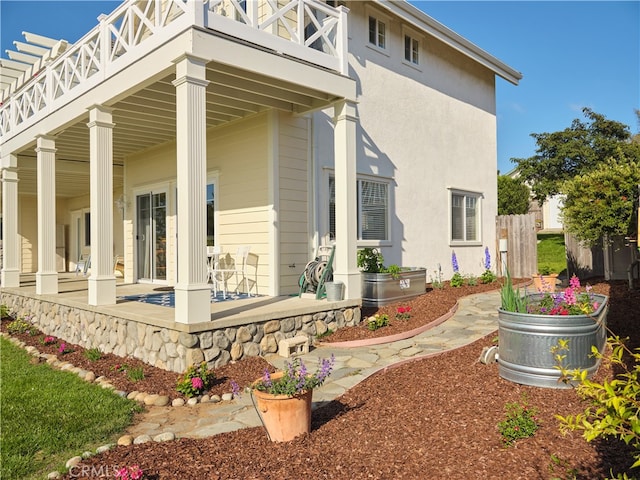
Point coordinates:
[(545, 283), (283, 416)]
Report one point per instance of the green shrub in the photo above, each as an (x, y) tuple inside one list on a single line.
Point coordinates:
[(93, 354), (135, 374), (472, 280), (488, 277), (195, 380), (4, 311), (20, 325), (520, 422), (613, 405), (457, 280), (377, 321)]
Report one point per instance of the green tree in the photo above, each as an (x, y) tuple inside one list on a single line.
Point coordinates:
[(576, 150), (513, 196), (600, 203)]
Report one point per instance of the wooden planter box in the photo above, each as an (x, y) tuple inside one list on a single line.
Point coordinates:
[(380, 289)]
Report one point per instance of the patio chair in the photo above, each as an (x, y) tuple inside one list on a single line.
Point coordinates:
[(83, 264), (219, 270), (241, 263)]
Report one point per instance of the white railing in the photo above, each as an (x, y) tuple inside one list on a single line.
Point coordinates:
[(86, 62), (306, 29)]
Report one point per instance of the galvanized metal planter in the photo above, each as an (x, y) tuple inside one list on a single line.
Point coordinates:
[(526, 339), (380, 289)]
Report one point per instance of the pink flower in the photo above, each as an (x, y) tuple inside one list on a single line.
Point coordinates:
[(62, 347), (595, 305), (197, 383), (574, 282), (135, 473)]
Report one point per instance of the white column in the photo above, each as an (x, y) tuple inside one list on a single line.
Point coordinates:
[(193, 302), (345, 266), (102, 281), (10, 275), (46, 276)]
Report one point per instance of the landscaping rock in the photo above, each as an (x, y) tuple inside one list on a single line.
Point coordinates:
[(87, 454), (90, 377), (142, 439), (192, 401), (103, 448), (164, 437), (204, 399), (161, 401), (177, 402), (215, 398), (125, 440), (54, 475), (72, 462), (150, 399), (132, 395), (227, 397)]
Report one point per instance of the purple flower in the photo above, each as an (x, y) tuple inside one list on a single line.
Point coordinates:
[(487, 259), (454, 262), (235, 388), (326, 365), (266, 378), (197, 383)]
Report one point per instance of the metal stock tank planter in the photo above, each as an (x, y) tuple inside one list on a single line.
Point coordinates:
[(384, 288), (526, 337), (384, 285)]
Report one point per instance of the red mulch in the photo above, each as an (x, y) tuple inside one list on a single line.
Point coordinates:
[(432, 418)]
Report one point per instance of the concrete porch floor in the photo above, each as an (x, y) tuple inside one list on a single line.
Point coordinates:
[(73, 292)]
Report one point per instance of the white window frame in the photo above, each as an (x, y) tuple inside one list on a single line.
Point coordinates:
[(364, 178), (478, 196), (418, 39), (380, 19)]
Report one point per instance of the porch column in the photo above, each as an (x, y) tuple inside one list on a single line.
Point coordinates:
[(345, 268), (192, 294), (47, 275), (102, 281), (10, 274)]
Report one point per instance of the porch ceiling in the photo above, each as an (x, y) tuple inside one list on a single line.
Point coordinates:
[(147, 118)]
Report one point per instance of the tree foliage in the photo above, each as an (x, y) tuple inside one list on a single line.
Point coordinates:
[(513, 196), (581, 148), (600, 204)]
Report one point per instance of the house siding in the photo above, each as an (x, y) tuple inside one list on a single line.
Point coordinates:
[(293, 217)]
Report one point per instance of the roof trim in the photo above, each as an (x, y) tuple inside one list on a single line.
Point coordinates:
[(417, 18)]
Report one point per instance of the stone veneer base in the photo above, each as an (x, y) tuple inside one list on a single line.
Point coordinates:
[(168, 348)]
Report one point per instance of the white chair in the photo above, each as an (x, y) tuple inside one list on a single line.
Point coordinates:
[(83, 264), (219, 270), (242, 255)]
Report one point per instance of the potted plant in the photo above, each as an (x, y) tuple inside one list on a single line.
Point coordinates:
[(531, 326), (384, 285), (283, 399), (545, 280)]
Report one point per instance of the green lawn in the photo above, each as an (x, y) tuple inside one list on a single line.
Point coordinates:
[(48, 416), (551, 252)]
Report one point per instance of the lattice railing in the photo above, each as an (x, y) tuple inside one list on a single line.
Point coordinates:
[(307, 23), (307, 29), (126, 28)]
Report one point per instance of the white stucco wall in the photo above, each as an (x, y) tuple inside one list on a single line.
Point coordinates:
[(426, 129)]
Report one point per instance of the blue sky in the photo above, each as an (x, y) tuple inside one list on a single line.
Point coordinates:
[(573, 54)]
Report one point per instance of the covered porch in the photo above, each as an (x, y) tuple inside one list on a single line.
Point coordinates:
[(147, 102)]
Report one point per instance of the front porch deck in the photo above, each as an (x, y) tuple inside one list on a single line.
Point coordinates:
[(238, 328)]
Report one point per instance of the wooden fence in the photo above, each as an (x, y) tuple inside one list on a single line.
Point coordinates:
[(522, 247)]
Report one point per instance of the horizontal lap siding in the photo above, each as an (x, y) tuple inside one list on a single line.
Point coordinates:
[(293, 217), (239, 153)]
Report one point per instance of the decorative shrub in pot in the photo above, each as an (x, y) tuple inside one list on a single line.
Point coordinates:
[(283, 399), (384, 285), (530, 326)]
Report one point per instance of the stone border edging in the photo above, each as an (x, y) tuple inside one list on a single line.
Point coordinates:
[(395, 337), (409, 333)]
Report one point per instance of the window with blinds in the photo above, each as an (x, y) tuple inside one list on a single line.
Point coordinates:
[(377, 33), (373, 210), (464, 217)]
